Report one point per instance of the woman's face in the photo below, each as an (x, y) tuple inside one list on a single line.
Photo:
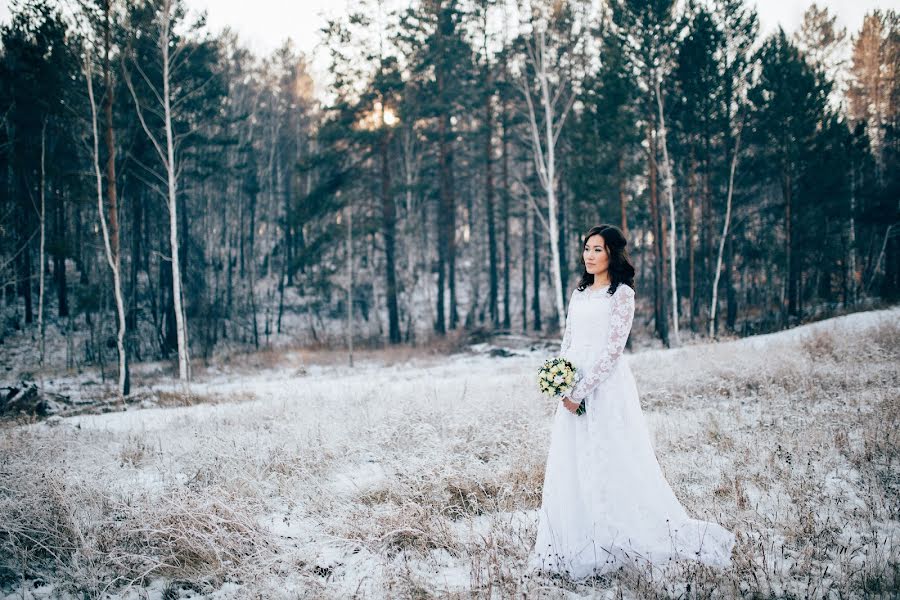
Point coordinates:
[(596, 260)]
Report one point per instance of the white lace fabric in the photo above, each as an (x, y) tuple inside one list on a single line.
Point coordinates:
[(621, 316), (605, 501)]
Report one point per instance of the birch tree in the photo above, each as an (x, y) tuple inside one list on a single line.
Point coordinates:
[(658, 49), (648, 32), (43, 221), (739, 26), (350, 283), (111, 196), (166, 151), (112, 258), (715, 288), (668, 184), (546, 116)]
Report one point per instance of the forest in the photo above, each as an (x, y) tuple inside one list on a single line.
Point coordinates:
[(169, 195)]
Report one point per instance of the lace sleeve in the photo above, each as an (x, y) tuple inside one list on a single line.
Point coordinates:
[(620, 319), (567, 335)]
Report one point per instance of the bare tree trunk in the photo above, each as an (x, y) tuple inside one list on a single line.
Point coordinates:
[(489, 207), (668, 180), (879, 260), (545, 152), (553, 209), (642, 234), (389, 226), (289, 238), (288, 259), (59, 260), (706, 228), (852, 286), (281, 284), (43, 191), (731, 301), (692, 249), (167, 158), (447, 201), (791, 276), (443, 238), (113, 207), (136, 250), (563, 231), (70, 343), (659, 251), (525, 270), (107, 242), (251, 249), (450, 217), (180, 325), (623, 199), (715, 287), (504, 120), (505, 224), (536, 276), (251, 267), (25, 271), (350, 283), (417, 249)]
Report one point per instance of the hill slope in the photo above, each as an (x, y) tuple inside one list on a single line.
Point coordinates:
[(424, 477)]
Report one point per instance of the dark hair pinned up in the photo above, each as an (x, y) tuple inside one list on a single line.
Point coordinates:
[(620, 268)]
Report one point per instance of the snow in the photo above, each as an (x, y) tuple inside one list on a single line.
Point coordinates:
[(423, 477)]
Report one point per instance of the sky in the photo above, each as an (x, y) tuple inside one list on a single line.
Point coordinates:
[(263, 25)]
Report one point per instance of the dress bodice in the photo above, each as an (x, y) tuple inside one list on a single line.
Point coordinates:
[(588, 320), (597, 328)]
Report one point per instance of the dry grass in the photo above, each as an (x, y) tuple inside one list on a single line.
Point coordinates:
[(172, 398), (427, 486), (301, 358), (94, 540)]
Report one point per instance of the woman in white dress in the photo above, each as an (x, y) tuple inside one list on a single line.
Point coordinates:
[(606, 503)]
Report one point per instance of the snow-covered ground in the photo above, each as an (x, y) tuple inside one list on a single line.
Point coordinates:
[(422, 478)]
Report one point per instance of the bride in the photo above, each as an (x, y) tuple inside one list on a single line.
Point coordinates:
[(606, 503)]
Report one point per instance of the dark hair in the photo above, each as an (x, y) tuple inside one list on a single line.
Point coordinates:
[(620, 268)]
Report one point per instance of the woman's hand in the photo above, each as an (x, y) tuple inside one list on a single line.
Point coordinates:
[(570, 406)]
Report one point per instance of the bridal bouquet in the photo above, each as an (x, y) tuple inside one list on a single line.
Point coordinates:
[(557, 377)]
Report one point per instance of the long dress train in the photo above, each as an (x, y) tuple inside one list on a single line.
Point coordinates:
[(606, 502)]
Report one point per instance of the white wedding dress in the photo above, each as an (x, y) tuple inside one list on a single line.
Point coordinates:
[(606, 503)]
